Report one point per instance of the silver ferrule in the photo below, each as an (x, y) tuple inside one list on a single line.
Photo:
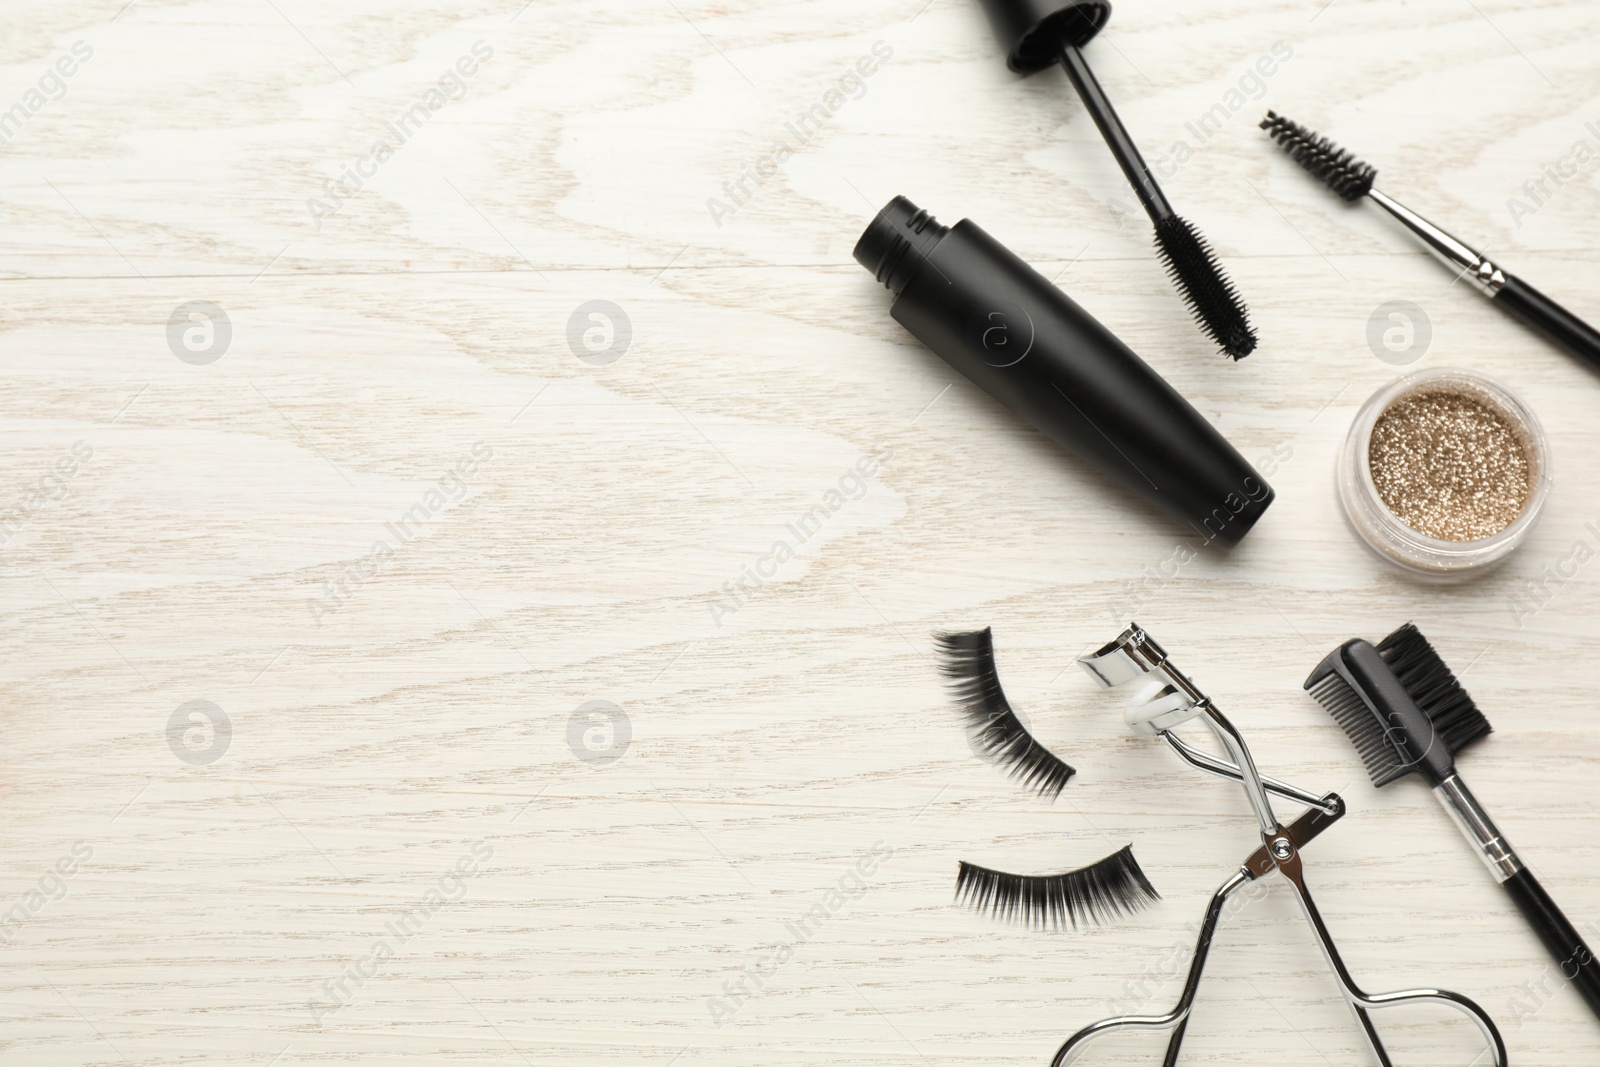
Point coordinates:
[(1453, 252), (1478, 828)]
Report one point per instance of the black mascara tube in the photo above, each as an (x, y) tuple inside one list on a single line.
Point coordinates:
[(1026, 343)]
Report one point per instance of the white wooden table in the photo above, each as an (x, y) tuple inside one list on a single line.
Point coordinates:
[(397, 522)]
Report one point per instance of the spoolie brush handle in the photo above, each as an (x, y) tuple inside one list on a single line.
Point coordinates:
[(1576, 962), (1512, 293), (1551, 319), (1116, 135)]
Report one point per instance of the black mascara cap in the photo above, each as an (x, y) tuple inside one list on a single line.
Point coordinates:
[(1032, 31)]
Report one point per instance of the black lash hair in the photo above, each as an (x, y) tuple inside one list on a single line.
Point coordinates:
[(968, 662), (1094, 895)]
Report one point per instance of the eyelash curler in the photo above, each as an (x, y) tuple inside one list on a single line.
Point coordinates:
[(1167, 700)]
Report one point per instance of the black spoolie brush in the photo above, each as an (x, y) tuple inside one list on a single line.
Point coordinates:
[(1040, 33), (1352, 179), (1406, 713)]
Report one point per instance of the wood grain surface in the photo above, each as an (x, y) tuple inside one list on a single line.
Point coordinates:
[(500, 756)]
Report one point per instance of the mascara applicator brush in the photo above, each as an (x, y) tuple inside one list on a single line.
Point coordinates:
[(1040, 33), (1352, 180)]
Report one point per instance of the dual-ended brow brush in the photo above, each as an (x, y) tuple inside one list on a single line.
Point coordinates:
[(1040, 33), (1352, 179), (1407, 714)]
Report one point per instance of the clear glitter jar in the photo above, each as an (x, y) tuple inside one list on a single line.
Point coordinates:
[(1386, 533)]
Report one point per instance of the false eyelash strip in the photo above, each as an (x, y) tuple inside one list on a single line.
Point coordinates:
[(1094, 895), (993, 726)]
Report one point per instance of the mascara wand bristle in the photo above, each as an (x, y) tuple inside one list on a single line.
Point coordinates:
[(1212, 299), (1338, 169)]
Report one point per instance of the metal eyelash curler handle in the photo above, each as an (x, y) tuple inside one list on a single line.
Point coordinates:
[(1223, 769), (1307, 827), (1163, 704), (1168, 701)]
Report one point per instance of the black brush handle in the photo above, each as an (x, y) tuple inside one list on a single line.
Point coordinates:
[(1551, 319), (1098, 104), (1573, 957), (1576, 962)]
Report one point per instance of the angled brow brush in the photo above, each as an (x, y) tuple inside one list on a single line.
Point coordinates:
[(1040, 33), (1352, 179), (1407, 714)]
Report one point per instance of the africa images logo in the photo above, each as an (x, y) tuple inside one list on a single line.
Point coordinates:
[(1003, 333)]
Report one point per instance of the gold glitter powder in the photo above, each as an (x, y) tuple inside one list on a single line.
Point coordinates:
[(1449, 465)]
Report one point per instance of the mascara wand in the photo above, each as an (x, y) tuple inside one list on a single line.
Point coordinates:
[(1352, 179), (1041, 33)]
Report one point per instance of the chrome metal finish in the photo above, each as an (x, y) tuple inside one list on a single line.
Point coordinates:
[(1361, 1002), (1495, 851), (1223, 769), (1487, 277), (1169, 700), (1130, 657), (1453, 251), (1304, 830), (1178, 1018), (1134, 656), (1158, 707), (1250, 778)]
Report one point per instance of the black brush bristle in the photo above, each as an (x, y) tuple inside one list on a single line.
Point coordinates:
[(968, 661), (1363, 727), (1429, 682), (1211, 297), (1338, 169), (1094, 895)]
